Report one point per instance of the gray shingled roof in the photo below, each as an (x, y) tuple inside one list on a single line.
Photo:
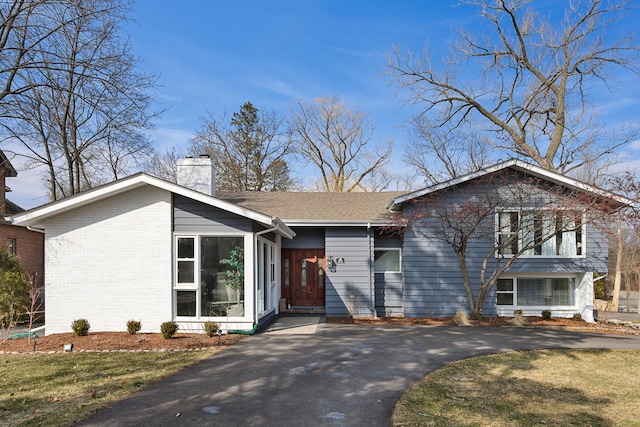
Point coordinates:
[(316, 206)]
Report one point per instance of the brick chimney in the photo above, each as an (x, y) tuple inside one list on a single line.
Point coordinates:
[(197, 173)]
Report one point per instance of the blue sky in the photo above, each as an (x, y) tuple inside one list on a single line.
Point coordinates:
[(213, 56)]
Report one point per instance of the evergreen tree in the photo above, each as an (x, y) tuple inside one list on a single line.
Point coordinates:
[(250, 151)]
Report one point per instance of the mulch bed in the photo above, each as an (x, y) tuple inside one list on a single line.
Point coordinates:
[(118, 341), (122, 341)]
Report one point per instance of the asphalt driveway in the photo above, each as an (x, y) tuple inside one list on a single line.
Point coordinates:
[(338, 375)]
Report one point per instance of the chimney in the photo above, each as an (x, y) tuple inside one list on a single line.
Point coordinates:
[(198, 174)]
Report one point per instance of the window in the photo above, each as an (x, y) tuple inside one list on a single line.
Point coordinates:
[(540, 233), (209, 276), (386, 260), (536, 291), (504, 292), (266, 274), (186, 260), (12, 246)]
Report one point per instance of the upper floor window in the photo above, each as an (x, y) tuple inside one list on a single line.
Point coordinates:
[(535, 233)]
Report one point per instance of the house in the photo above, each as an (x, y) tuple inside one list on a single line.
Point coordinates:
[(146, 249), (26, 243)]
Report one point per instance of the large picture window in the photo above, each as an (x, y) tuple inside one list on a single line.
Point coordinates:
[(534, 233), (536, 291), (209, 276)]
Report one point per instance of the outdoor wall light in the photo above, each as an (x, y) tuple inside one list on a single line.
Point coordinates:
[(331, 264)]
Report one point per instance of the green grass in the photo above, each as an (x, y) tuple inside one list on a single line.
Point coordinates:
[(58, 389), (532, 388)]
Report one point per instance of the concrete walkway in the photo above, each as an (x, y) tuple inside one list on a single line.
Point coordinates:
[(338, 375)]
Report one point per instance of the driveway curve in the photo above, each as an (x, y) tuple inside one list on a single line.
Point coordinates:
[(343, 375)]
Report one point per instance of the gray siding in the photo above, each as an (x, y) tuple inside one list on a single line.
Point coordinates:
[(306, 238), (433, 284), (350, 285), (190, 216)]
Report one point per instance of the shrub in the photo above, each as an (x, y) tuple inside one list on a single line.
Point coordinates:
[(577, 316), (80, 327), (169, 329), (546, 314), (461, 318), (210, 328), (133, 326)]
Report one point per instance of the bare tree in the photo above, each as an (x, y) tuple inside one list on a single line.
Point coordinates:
[(439, 153), (533, 80), (251, 150), (163, 164), (338, 142), (490, 221), (86, 111)]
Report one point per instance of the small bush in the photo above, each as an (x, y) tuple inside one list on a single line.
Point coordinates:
[(577, 316), (518, 319), (461, 318), (80, 327), (169, 329), (210, 328), (546, 314), (133, 326)]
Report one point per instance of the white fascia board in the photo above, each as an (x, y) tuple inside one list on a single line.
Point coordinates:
[(516, 164), (334, 223), (135, 181)]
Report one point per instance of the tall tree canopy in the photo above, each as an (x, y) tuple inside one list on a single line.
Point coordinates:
[(338, 142), (527, 78), (251, 150), (78, 104)]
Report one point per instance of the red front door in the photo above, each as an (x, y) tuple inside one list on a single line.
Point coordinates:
[(305, 270)]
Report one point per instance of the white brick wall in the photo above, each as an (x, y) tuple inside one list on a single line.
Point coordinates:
[(110, 262)]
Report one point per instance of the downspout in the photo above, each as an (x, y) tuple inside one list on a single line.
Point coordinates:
[(372, 290)]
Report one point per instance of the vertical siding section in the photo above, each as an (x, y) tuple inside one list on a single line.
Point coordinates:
[(388, 285), (109, 262), (348, 289)]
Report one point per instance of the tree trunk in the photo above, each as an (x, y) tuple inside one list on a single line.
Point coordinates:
[(618, 273)]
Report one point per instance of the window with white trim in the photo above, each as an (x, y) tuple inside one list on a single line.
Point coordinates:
[(209, 278), (536, 233), (266, 274), (536, 291), (387, 260)]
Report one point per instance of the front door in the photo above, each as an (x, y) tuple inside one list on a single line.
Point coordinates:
[(305, 268)]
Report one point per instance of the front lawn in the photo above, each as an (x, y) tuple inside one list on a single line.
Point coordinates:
[(530, 388), (58, 389)]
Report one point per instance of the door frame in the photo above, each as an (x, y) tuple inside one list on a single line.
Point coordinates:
[(290, 280)]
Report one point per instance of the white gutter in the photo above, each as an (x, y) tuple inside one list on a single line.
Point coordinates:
[(37, 230)]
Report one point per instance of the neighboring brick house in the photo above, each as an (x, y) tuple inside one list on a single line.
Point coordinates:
[(26, 243)]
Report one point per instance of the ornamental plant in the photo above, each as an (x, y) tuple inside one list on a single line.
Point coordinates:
[(80, 327), (169, 329), (210, 328), (133, 326)]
